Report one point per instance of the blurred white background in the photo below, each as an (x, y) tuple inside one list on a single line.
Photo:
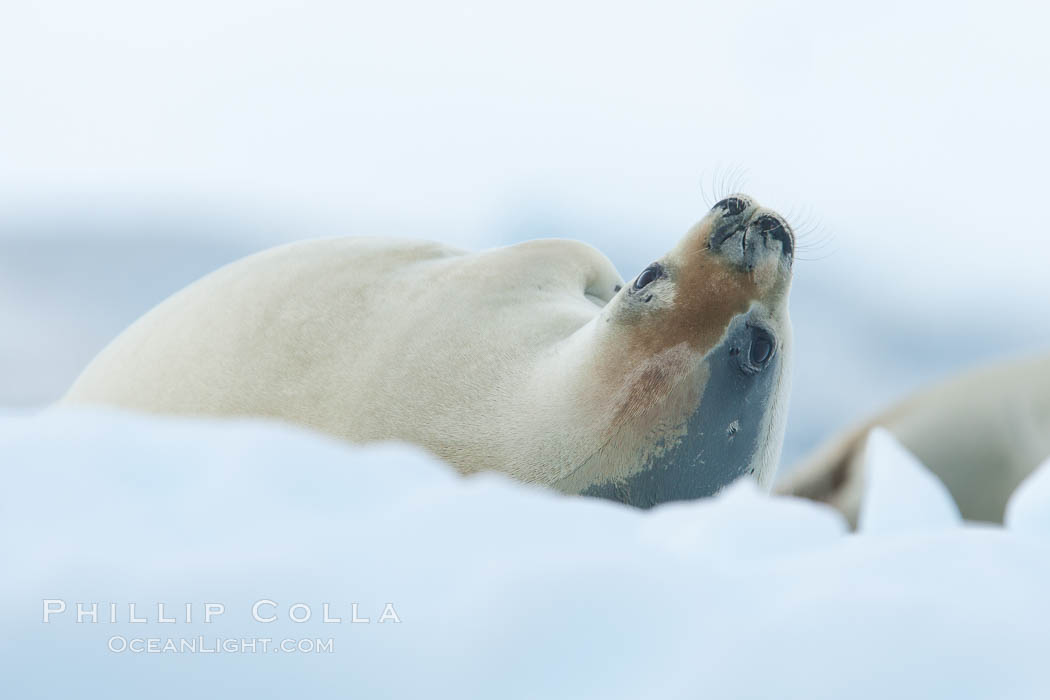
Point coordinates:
[(142, 145)]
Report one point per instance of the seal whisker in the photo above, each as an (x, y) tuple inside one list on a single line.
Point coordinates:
[(708, 202), (810, 234)]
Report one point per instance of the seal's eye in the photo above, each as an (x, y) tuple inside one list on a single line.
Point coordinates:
[(732, 205), (761, 349), (648, 275)]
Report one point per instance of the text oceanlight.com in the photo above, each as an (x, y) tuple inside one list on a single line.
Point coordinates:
[(217, 645)]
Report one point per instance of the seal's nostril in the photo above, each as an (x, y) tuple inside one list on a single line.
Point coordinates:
[(767, 223), (732, 205), (774, 228)]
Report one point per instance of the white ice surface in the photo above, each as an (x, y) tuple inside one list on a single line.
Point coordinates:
[(503, 591), (1029, 507), (901, 494)]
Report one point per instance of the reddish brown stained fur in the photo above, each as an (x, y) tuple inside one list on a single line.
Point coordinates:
[(710, 292)]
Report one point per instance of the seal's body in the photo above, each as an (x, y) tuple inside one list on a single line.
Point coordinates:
[(981, 433), (536, 359)]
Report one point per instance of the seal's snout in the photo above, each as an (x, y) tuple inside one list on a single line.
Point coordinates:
[(749, 235)]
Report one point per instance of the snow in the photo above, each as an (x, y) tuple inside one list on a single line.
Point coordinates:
[(502, 590), (1029, 508), (900, 494)]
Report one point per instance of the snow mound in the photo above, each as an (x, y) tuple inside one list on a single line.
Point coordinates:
[(901, 494), (1028, 509), (478, 587)]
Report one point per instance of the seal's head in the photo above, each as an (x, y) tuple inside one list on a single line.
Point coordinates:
[(695, 353)]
